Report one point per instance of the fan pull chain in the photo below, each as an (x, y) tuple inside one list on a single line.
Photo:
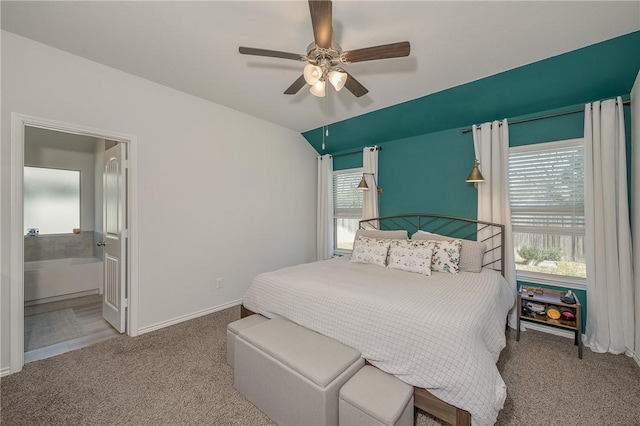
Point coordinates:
[(325, 129)]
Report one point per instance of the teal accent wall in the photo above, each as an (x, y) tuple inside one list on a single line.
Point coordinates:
[(351, 161), (426, 157), (599, 71)]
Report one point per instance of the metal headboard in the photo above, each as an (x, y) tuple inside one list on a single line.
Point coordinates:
[(490, 233)]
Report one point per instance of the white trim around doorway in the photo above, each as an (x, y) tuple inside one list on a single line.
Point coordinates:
[(16, 313)]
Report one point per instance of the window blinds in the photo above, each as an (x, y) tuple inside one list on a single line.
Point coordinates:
[(546, 187), (347, 199)]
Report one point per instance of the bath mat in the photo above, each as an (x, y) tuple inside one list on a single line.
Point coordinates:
[(49, 328)]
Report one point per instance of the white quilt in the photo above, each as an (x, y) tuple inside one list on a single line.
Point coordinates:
[(442, 332)]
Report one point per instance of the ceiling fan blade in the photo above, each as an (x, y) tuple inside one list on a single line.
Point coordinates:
[(321, 21), (393, 50), (355, 87), (271, 53), (296, 86)]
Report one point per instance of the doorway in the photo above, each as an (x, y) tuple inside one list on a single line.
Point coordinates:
[(63, 204), (79, 306)]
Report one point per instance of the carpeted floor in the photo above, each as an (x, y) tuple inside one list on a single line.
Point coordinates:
[(178, 375)]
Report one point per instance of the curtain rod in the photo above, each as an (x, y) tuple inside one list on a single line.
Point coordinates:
[(355, 151), (542, 117)]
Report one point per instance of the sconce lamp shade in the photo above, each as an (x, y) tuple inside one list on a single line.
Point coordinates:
[(312, 73), (337, 79), (318, 89), (475, 176), (362, 186)]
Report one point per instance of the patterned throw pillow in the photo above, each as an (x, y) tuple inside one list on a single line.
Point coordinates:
[(446, 255), (411, 256), (370, 250), (471, 253)]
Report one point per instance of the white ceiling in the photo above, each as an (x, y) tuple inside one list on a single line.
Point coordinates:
[(193, 46)]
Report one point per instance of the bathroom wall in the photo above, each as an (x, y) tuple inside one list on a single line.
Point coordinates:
[(47, 148), (63, 246)]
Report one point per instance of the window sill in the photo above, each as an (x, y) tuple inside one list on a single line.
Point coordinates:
[(340, 253), (551, 280)]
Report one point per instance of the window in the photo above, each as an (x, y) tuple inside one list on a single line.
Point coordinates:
[(347, 207), (546, 188), (51, 200)]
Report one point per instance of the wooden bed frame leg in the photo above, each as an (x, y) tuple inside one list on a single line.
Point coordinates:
[(244, 312), (428, 403)]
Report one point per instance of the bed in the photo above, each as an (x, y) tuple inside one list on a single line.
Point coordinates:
[(441, 334)]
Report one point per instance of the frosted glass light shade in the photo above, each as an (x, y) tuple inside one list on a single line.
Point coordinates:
[(312, 73), (337, 79), (318, 89)]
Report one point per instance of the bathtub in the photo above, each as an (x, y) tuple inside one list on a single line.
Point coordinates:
[(46, 279)]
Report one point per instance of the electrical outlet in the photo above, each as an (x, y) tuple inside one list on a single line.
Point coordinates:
[(219, 281)]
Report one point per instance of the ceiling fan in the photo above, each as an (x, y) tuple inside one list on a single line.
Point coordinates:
[(324, 57)]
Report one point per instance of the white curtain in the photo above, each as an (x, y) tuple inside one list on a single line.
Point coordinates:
[(324, 248), (370, 171), (491, 143), (610, 321)]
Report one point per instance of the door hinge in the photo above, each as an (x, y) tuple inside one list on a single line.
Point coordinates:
[(125, 164), (125, 233), (125, 304)]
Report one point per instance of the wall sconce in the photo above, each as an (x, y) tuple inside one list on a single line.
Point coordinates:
[(475, 176), (362, 186)]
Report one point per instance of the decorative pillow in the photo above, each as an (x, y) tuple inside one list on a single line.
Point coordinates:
[(388, 235), (446, 255), (471, 254), (410, 256), (370, 250)]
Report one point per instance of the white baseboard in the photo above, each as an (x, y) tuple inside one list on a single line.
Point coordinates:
[(188, 317), (5, 371), (551, 330), (636, 357)]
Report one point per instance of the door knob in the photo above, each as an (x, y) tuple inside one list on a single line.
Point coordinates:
[(101, 243)]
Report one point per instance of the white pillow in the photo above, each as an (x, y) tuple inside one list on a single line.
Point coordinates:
[(446, 255), (411, 256), (471, 253), (370, 250)]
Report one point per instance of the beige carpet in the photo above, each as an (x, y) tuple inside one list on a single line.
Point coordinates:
[(49, 328), (178, 375)]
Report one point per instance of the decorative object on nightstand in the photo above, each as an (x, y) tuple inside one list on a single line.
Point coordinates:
[(569, 298), (551, 307)]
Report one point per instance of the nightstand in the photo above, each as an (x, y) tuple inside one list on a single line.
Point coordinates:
[(550, 298)]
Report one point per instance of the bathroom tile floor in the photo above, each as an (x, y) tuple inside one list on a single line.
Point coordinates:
[(88, 312)]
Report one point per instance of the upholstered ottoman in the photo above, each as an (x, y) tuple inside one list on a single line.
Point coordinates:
[(234, 328), (373, 397), (291, 373)]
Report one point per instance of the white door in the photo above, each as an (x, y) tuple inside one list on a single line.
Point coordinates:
[(114, 230)]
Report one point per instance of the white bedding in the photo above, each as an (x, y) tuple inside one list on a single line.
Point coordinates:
[(442, 332)]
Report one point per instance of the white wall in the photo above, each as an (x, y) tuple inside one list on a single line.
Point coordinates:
[(221, 194), (47, 148), (635, 200)]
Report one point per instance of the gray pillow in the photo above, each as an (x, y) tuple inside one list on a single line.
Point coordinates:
[(471, 254)]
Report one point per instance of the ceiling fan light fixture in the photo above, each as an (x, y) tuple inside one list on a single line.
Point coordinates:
[(337, 78), (312, 73), (318, 89)]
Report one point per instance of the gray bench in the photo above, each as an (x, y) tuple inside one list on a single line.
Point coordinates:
[(235, 327), (293, 374), (373, 397)]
